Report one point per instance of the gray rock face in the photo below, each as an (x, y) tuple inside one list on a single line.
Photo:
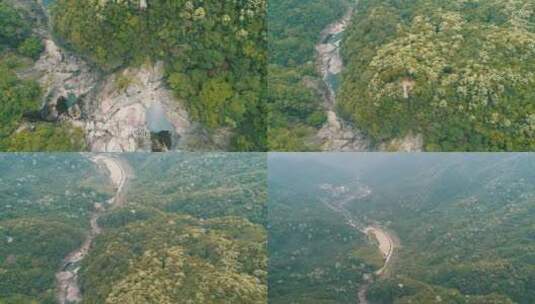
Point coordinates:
[(117, 111), (63, 75), (113, 109), (336, 136), (410, 143), (120, 122)]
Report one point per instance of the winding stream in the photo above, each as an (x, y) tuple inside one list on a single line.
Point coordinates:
[(336, 134), (68, 290)]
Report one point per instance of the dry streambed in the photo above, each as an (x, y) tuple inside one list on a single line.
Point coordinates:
[(68, 290), (337, 134)]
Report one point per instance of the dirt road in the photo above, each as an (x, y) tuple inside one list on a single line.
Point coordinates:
[(386, 245)]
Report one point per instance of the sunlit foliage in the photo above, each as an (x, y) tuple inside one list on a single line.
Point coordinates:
[(459, 72)]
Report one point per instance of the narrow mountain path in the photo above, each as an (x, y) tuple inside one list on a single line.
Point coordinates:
[(68, 290)]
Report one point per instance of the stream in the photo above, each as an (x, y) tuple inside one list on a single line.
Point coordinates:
[(336, 134), (68, 289)]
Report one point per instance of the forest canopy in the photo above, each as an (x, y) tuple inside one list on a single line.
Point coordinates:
[(458, 72), (214, 51), (19, 48)]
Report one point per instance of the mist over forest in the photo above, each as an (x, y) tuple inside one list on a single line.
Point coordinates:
[(462, 227)]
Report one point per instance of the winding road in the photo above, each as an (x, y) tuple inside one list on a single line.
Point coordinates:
[(386, 245), (68, 290)]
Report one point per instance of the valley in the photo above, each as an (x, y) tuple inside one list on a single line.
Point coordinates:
[(122, 228), (401, 228), (67, 278)]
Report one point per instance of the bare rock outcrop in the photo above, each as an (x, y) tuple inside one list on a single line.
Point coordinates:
[(121, 120), (63, 76)]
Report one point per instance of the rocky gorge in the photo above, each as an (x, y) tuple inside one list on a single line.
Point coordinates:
[(124, 110), (337, 134)]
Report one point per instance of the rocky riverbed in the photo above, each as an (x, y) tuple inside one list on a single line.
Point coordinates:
[(68, 289), (336, 134)]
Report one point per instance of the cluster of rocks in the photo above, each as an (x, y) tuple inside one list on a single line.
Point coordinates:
[(113, 109), (66, 81), (121, 122), (336, 135)]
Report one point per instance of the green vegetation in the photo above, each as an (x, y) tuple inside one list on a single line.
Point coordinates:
[(48, 137), (294, 104), (193, 228), (42, 219), (465, 224), (314, 256), (19, 47), (215, 53), (197, 233), (459, 72), (169, 258)]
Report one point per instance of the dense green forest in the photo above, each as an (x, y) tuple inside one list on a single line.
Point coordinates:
[(465, 225), (19, 47), (42, 219), (314, 256), (458, 72), (193, 230), (295, 112), (215, 53)]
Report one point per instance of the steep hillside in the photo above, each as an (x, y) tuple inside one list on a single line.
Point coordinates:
[(460, 73), (461, 224), (198, 233), (141, 228), (115, 76)]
